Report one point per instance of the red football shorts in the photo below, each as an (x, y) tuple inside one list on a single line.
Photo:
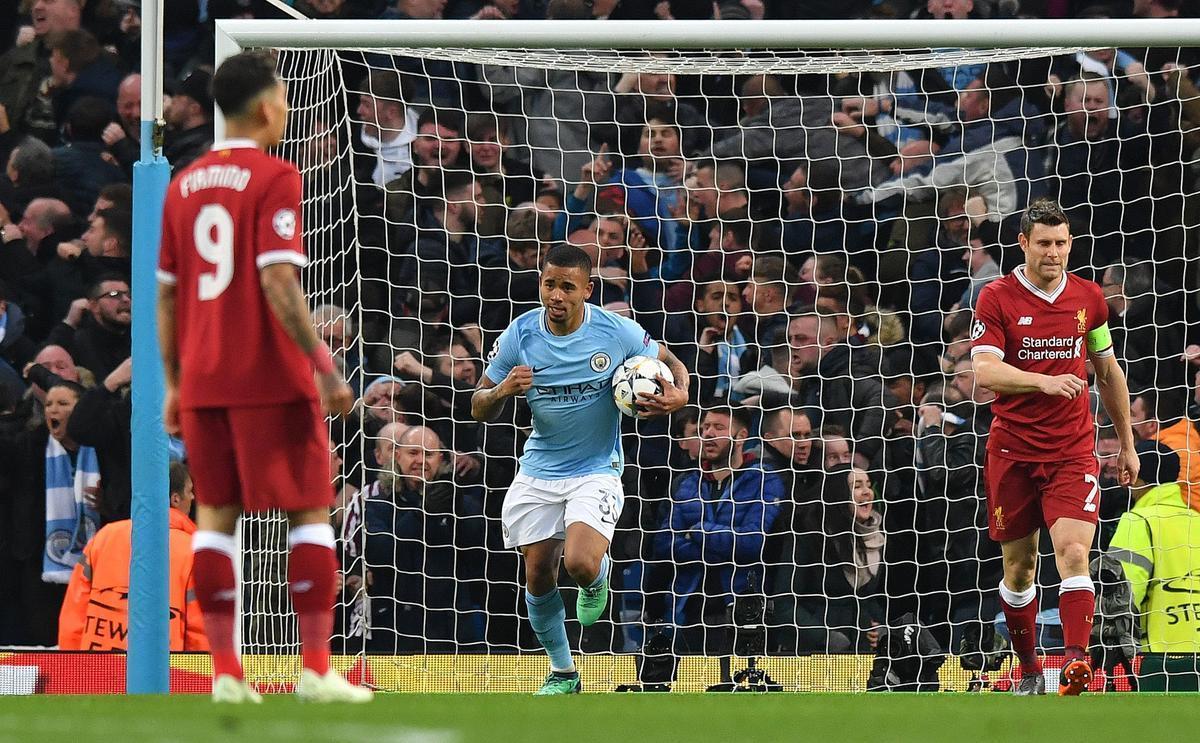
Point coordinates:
[(271, 456), (1025, 496)]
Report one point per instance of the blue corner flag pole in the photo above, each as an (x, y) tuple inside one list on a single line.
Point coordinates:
[(148, 662)]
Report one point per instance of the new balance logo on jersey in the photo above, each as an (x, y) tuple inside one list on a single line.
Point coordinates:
[(1025, 320)]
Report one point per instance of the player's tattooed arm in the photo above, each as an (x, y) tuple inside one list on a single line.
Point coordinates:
[(682, 378), (286, 300), (489, 398), (170, 357), (674, 396), (1114, 393)]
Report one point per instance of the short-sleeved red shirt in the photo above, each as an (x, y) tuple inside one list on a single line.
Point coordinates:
[(1045, 334), (228, 215)]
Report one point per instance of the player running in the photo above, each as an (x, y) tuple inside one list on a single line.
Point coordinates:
[(567, 496), (1030, 332), (239, 350)]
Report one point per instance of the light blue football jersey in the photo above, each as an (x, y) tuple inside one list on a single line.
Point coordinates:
[(576, 424)]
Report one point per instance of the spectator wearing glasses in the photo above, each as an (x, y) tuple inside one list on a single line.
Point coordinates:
[(96, 330)]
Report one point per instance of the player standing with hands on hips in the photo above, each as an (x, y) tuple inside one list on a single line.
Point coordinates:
[(1030, 332), (567, 496), (240, 350)]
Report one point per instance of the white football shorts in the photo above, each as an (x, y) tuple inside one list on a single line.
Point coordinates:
[(537, 509)]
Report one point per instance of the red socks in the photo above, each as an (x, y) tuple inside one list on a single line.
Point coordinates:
[(216, 590), (1020, 613), (1076, 607), (312, 575)]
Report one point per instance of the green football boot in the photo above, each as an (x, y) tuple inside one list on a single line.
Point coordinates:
[(590, 603), (560, 683)]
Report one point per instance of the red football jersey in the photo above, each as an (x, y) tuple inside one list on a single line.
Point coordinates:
[(227, 215), (1045, 334)]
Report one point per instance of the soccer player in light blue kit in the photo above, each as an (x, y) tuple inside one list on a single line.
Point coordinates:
[(567, 495)]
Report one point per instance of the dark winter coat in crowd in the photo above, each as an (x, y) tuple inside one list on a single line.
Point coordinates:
[(794, 128), (422, 597), (100, 79), (15, 347), (802, 494), (16, 197), (93, 346), (22, 69), (127, 151), (959, 563), (101, 420), (508, 291), (849, 391), (841, 570), (181, 148), (1103, 192), (84, 168), (92, 268), (1148, 337), (29, 611)]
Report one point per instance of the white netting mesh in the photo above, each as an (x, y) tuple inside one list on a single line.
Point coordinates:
[(725, 62), (873, 193)]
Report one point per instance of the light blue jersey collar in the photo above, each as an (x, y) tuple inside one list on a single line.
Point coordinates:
[(587, 316)]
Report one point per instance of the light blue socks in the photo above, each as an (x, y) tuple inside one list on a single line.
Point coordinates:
[(605, 567), (549, 621)]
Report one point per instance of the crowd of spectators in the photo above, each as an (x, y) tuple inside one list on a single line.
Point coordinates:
[(811, 246)]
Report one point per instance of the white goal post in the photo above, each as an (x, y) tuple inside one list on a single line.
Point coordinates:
[(463, 626)]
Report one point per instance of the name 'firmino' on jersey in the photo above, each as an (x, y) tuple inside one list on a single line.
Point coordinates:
[(1044, 333)]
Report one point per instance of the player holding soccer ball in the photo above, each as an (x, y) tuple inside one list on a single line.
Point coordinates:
[(1030, 332), (567, 496), (240, 350)]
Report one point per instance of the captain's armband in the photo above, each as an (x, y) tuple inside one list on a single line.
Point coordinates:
[(1099, 339)]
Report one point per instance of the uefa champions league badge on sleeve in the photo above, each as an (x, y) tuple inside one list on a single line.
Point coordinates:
[(977, 330), (284, 223)]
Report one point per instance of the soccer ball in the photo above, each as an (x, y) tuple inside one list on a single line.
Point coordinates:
[(636, 375)]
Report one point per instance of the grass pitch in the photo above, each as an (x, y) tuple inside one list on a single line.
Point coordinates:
[(607, 718)]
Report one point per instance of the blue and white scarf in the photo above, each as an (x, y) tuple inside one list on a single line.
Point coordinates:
[(729, 361), (70, 522)]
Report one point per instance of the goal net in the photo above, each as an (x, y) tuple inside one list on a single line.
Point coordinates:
[(808, 230)]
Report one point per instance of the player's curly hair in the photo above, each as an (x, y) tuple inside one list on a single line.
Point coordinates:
[(1043, 211)]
